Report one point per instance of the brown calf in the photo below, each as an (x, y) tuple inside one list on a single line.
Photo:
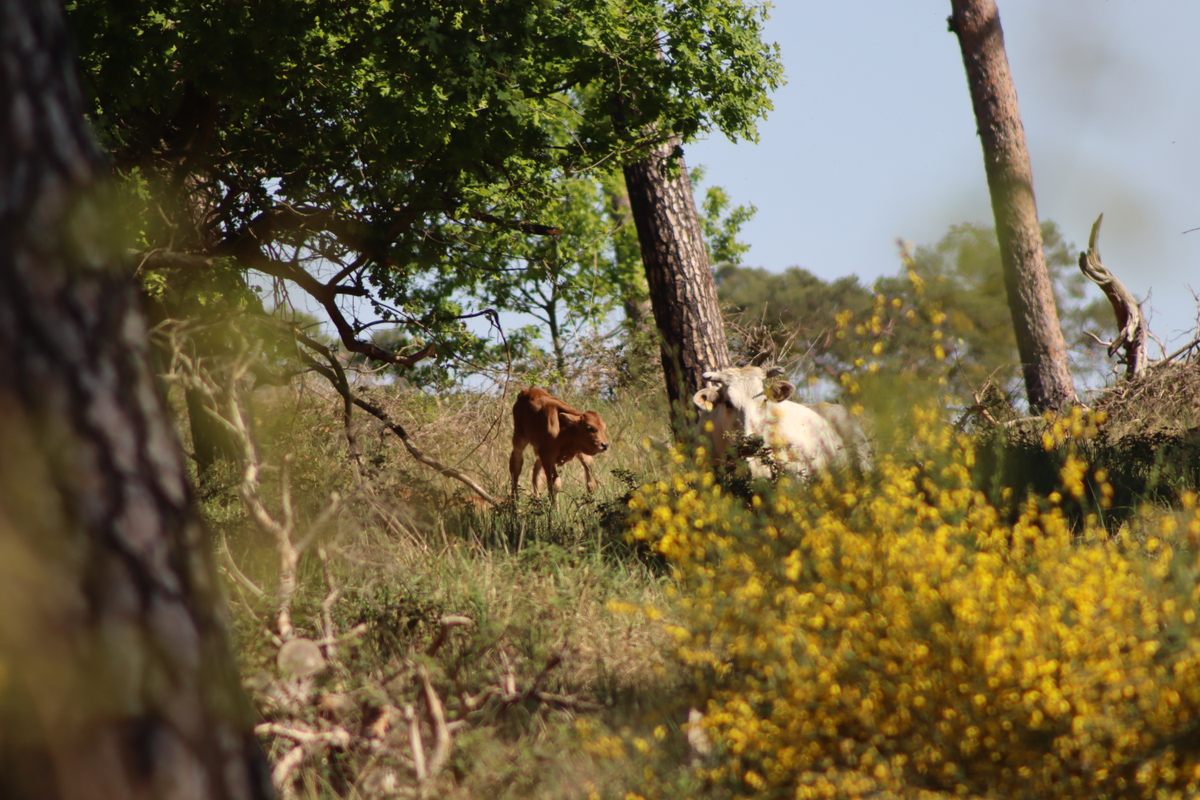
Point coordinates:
[(558, 433)]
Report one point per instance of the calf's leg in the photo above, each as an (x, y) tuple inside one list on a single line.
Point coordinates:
[(586, 460), (515, 461), (536, 474), (552, 479)]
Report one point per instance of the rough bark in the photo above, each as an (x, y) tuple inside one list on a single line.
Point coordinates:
[(683, 295), (1010, 181), (118, 680)]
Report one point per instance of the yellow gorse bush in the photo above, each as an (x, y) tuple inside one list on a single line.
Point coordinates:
[(904, 635)]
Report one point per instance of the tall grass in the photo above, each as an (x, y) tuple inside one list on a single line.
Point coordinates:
[(992, 616)]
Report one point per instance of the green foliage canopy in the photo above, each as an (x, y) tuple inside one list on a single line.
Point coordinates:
[(390, 158)]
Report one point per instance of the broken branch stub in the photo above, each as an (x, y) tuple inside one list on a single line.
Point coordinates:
[(1132, 333)]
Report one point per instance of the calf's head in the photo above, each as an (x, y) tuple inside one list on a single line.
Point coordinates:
[(588, 431)]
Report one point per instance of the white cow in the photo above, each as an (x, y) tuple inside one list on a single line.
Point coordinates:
[(804, 440), (853, 434)]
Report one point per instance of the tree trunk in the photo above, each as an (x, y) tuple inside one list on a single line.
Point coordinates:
[(1010, 181), (683, 295), (118, 680)]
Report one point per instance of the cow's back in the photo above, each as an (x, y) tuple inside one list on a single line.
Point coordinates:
[(805, 441), (852, 432)]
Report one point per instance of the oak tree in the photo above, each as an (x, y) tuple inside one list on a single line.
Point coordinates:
[(387, 159)]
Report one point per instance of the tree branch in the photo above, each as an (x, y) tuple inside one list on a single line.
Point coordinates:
[(1130, 320), (342, 386), (324, 293)]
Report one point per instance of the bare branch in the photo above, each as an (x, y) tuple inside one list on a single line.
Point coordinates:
[(289, 556), (1130, 320), (326, 294), (448, 623), (418, 746), (328, 628), (232, 567), (331, 373), (437, 721)]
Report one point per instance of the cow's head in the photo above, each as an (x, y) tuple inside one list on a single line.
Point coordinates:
[(735, 401), (590, 430)]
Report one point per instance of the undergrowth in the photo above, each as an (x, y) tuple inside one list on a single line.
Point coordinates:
[(985, 615), (911, 636)]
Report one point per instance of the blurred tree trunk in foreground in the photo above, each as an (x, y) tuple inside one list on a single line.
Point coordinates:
[(1010, 181), (116, 677), (683, 295)]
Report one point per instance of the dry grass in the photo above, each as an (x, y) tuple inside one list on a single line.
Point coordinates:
[(407, 703), (1163, 400)]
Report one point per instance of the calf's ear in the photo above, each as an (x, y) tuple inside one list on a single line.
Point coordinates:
[(706, 397), (778, 392)]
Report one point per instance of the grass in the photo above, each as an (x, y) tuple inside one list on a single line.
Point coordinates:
[(538, 663)]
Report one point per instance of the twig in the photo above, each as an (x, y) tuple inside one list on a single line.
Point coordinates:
[(448, 622), (354, 633), (418, 747), (337, 737), (1189, 346), (394, 427), (327, 625), (437, 721), (283, 770), (282, 532), (233, 569)]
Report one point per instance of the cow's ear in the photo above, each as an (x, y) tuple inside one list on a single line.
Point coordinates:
[(780, 391), (706, 397), (775, 372)]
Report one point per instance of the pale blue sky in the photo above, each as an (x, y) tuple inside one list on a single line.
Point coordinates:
[(873, 138)]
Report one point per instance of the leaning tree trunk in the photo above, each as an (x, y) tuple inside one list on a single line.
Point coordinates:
[(1010, 180), (117, 676), (683, 295)]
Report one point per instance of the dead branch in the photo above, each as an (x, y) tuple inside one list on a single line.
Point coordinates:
[(330, 372), (417, 744), (1131, 322), (284, 769), (289, 556), (328, 628), (335, 737), (357, 632), (437, 722), (307, 741), (232, 567), (1186, 349), (448, 623)]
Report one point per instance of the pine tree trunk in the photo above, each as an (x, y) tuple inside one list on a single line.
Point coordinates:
[(1010, 181), (118, 680), (683, 295)]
